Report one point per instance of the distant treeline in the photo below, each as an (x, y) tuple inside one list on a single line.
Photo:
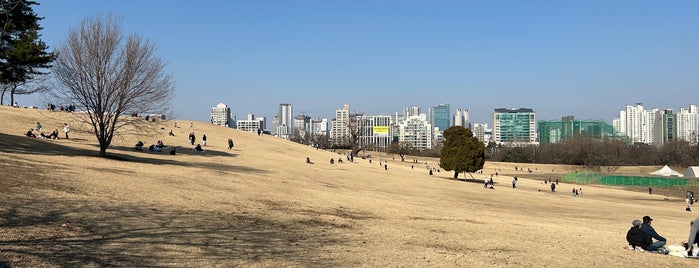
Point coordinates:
[(599, 155)]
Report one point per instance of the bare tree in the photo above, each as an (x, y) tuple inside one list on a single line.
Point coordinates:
[(108, 76), (401, 148), (27, 87), (356, 130)]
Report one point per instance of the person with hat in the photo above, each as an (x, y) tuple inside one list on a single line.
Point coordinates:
[(652, 234)]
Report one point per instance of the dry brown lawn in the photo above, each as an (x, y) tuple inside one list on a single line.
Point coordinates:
[(260, 205)]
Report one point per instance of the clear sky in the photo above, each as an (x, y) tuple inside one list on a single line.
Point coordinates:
[(583, 58)]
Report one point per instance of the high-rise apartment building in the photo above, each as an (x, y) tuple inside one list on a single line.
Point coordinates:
[(440, 117), (319, 131), (462, 118), (375, 132), (285, 126), (412, 110), (303, 125), (665, 128), (416, 131), (638, 124), (340, 132), (481, 132), (514, 126), (688, 124), (221, 115)]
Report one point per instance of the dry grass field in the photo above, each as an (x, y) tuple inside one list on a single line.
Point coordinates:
[(260, 205)]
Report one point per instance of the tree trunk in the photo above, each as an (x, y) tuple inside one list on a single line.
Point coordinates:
[(103, 150), (456, 174), (402, 157)]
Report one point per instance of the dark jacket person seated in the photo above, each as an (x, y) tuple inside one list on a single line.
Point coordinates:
[(139, 146), (30, 133)]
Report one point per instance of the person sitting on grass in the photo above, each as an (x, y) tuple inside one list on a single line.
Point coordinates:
[(54, 135), (198, 148), (153, 148), (30, 133), (637, 239), (138, 146), (651, 233)]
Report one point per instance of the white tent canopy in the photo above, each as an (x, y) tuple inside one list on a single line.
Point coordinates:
[(692, 172), (667, 172)]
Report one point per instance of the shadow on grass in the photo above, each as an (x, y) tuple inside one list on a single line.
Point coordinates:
[(72, 233), (29, 146)]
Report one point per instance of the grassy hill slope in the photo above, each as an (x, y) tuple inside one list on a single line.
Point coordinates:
[(260, 205)]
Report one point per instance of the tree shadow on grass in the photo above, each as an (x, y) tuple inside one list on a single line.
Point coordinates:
[(30, 146), (70, 233)]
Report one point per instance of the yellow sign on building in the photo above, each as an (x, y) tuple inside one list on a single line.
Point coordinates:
[(381, 130)]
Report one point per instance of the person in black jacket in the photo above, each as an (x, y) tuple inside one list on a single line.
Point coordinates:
[(638, 239)]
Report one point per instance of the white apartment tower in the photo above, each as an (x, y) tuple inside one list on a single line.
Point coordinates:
[(462, 118), (638, 123), (688, 124), (481, 132), (417, 131), (340, 132), (221, 115)]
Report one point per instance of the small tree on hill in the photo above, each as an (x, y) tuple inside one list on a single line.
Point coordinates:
[(401, 148), (462, 152), (108, 77)]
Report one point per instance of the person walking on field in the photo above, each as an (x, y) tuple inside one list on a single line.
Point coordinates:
[(203, 139), (66, 129), (230, 143)]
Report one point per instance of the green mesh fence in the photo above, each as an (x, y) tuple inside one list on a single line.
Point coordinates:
[(588, 178)]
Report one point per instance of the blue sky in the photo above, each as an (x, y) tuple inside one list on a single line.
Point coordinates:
[(583, 58)]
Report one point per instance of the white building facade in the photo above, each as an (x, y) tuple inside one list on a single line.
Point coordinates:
[(340, 132), (375, 132), (416, 131), (221, 115), (252, 124)]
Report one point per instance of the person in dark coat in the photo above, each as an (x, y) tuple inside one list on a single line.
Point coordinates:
[(651, 233), (638, 239), (230, 143)]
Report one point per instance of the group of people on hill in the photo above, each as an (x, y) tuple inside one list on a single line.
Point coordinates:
[(643, 237), (159, 146), (52, 136)]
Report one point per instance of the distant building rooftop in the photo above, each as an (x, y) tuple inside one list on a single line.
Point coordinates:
[(513, 110)]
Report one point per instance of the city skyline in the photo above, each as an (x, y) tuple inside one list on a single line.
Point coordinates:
[(584, 58)]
